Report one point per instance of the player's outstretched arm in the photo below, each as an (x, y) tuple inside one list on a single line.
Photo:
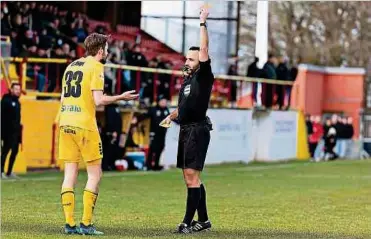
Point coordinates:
[(102, 99)]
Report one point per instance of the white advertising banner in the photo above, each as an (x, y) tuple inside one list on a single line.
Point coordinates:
[(230, 138), (277, 135)]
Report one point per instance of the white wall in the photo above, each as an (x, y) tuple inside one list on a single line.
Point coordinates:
[(241, 135), (230, 138)]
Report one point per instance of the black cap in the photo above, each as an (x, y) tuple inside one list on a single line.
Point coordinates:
[(160, 97)]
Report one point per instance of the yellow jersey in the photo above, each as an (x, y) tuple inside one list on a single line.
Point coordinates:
[(80, 79)]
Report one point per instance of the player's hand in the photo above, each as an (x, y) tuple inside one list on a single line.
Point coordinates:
[(129, 95), (204, 13)]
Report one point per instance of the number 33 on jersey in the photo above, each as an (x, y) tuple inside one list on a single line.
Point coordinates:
[(80, 79)]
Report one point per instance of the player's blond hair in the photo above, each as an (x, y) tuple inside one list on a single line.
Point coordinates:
[(94, 42)]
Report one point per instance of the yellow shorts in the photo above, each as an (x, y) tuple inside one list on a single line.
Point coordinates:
[(76, 144)]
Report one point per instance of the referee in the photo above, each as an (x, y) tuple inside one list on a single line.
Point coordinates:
[(195, 126)]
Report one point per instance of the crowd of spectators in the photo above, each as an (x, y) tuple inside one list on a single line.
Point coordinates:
[(276, 68), (331, 136), (45, 31)]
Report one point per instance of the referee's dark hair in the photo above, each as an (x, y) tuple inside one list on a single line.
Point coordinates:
[(194, 48)]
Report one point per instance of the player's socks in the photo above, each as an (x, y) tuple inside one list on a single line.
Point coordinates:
[(68, 203), (202, 209), (193, 199), (89, 199)]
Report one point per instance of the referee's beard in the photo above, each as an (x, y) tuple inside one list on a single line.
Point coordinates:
[(187, 71)]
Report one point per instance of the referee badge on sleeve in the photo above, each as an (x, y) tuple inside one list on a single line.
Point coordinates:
[(187, 90)]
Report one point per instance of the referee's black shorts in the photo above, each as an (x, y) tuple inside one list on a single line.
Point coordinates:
[(193, 143)]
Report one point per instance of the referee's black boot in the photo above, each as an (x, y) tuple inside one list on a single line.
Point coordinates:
[(200, 226), (183, 229)]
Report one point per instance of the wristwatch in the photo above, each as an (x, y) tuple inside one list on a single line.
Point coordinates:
[(203, 24)]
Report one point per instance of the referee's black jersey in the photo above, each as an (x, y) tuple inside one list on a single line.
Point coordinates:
[(194, 95)]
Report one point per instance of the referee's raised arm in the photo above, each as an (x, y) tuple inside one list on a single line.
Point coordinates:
[(204, 38)]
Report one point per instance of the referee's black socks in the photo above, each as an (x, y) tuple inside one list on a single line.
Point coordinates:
[(193, 198), (202, 209)]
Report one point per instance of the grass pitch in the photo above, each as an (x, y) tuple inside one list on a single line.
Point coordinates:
[(286, 200)]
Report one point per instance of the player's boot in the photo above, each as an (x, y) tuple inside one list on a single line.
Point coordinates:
[(89, 230), (200, 226), (70, 230), (183, 229)]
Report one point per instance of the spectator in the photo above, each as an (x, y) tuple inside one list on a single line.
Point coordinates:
[(136, 59), (101, 29), (68, 29), (327, 126), (254, 72), (125, 50), (10, 128), (36, 14), (232, 71), (330, 143), (115, 49), (157, 134), (335, 121), (309, 127), (316, 136), (5, 25), (268, 72), (342, 136), (16, 24), (163, 86), (109, 79), (15, 49), (45, 41), (147, 85), (25, 10), (113, 128), (283, 74), (81, 31), (34, 70), (28, 40), (349, 128), (56, 70), (67, 53)]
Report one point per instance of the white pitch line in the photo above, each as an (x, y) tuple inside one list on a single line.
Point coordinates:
[(330, 176), (259, 168)]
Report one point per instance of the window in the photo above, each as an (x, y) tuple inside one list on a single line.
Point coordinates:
[(225, 9), (162, 8)]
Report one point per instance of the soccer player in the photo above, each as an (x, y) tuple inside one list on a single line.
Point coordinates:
[(195, 126), (83, 83)]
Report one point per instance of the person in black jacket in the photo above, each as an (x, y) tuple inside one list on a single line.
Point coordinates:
[(349, 128), (10, 127), (113, 130), (157, 133), (268, 72), (283, 73), (254, 72)]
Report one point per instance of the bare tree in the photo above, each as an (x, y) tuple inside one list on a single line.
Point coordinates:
[(327, 33), (323, 33)]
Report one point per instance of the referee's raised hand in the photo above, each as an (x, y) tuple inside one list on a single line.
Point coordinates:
[(204, 13)]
